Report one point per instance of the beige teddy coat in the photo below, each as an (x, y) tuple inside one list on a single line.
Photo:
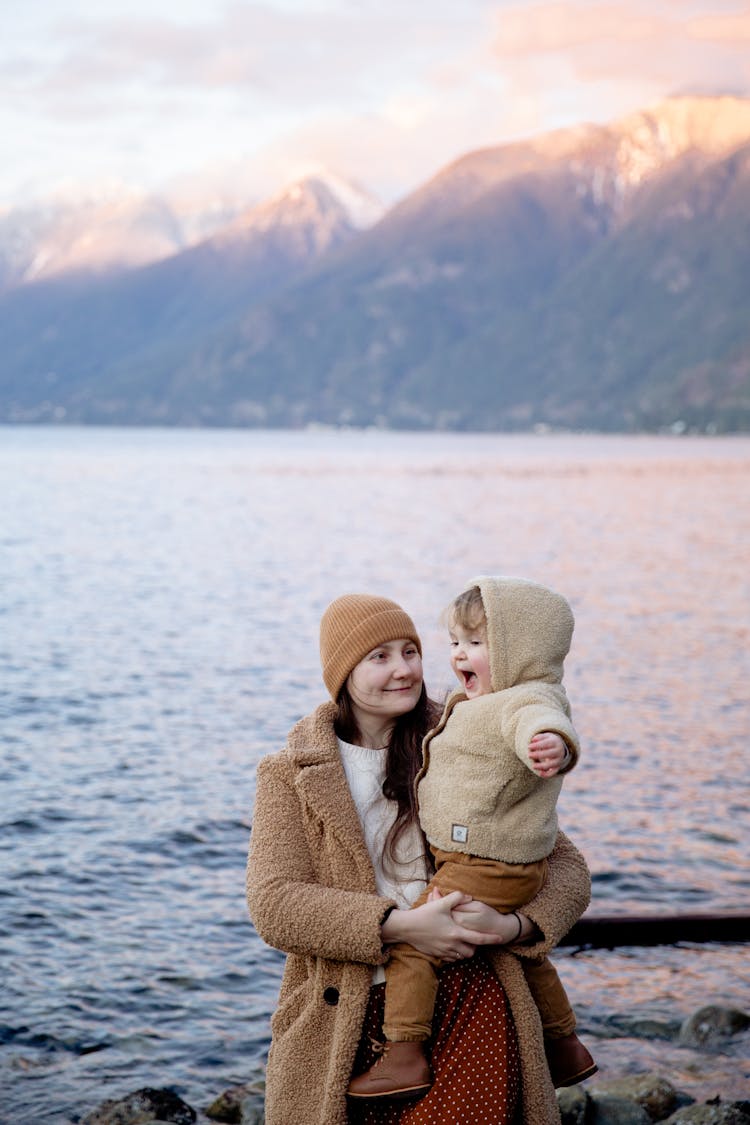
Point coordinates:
[(311, 893)]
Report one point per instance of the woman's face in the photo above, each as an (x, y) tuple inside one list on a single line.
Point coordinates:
[(387, 683)]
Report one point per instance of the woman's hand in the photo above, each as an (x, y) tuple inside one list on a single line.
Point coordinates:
[(433, 929), (489, 926)]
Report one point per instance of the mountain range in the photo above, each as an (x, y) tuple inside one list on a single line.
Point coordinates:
[(595, 277)]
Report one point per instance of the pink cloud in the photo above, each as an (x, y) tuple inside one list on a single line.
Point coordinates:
[(658, 46), (563, 27), (734, 30), (550, 27)]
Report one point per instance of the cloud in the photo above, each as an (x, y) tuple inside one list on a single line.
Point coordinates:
[(651, 42), (344, 54), (732, 29), (566, 27)]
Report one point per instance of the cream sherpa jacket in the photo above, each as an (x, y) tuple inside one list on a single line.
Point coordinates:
[(477, 792), (311, 893)]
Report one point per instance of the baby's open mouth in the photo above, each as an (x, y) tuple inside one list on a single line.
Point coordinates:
[(469, 679)]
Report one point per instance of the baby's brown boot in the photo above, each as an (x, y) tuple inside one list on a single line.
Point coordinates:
[(568, 1060), (402, 1071)]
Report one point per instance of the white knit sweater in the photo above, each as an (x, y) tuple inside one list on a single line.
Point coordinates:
[(365, 772)]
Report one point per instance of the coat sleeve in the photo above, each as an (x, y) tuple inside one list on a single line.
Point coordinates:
[(289, 908), (562, 899)]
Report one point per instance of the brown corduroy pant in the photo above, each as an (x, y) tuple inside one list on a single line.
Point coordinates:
[(411, 978)]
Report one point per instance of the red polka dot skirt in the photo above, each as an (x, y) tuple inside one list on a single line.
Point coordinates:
[(474, 1055)]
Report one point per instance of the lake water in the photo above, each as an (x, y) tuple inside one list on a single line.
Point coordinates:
[(160, 593)]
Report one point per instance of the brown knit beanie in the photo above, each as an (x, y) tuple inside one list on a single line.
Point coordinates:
[(354, 625)]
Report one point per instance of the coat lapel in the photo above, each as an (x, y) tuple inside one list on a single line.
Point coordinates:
[(321, 783)]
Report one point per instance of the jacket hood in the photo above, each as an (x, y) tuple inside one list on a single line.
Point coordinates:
[(529, 631)]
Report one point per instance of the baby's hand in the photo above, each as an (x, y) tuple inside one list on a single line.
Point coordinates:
[(547, 752)]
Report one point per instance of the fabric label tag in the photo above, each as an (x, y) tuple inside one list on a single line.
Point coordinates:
[(459, 833)]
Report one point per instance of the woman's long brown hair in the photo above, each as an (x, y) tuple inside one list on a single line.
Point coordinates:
[(403, 759)]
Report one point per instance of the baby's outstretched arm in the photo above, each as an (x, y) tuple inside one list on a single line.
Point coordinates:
[(549, 753)]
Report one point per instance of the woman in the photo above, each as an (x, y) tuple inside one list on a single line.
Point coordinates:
[(335, 859)]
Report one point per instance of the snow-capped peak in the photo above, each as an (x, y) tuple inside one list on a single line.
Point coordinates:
[(363, 209)]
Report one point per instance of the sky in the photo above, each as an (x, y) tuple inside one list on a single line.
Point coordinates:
[(188, 95)]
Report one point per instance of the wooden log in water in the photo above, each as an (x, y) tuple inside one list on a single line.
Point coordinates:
[(607, 931)]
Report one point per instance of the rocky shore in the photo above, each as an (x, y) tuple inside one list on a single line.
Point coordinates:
[(638, 1099)]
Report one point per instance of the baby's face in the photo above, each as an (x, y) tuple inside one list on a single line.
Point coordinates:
[(470, 659)]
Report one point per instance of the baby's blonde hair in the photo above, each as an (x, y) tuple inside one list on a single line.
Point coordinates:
[(467, 610)]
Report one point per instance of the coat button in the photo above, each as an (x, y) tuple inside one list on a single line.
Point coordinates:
[(331, 996)]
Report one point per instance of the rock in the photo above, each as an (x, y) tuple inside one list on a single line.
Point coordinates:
[(252, 1113), (606, 1109), (228, 1106), (643, 1027), (712, 1113), (572, 1101), (143, 1107), (655, 1094), (710, 1025), (654, 1029)]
